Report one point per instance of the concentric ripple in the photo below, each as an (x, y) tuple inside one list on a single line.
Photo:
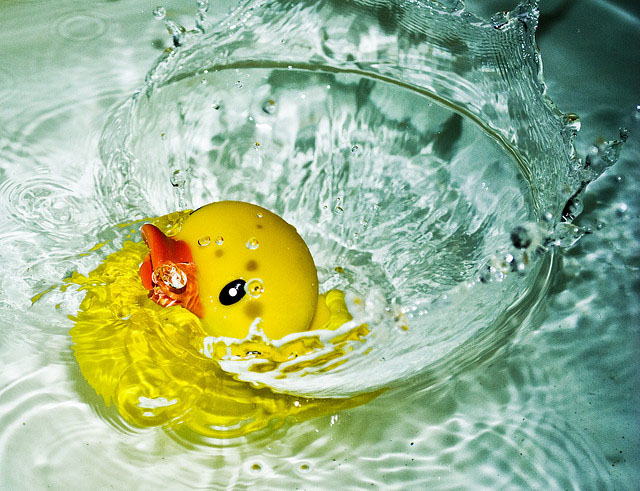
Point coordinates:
[(81, 27)]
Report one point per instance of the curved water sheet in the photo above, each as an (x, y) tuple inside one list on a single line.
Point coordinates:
[(412, 145)]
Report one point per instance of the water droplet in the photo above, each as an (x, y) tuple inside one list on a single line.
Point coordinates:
[(621, 210), (159, 13), (170, 274), (204, 241), (269, 106), (257, 145), (252, 243), (256, 467), (254, 287), (219, 240), (178, 178), (354, 149), (176, 31), (259, 215), (163, 137), (238, 84), (572, 122), (305, 468), (520, 237), (216, 106), (636, 113)]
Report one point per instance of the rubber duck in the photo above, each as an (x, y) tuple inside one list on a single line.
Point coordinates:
[(238, 267), (218, 273)]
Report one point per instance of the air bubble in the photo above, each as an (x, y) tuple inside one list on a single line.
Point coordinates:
[(219, 240), (254, 288), (252, 243), (159, 13), (204, 241)]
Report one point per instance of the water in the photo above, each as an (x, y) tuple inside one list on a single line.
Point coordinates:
[(542, 396)]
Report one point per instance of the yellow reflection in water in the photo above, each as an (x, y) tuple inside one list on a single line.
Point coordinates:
[(159, 368)]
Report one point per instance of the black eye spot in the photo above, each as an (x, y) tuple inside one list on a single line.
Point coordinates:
[(232, 292)]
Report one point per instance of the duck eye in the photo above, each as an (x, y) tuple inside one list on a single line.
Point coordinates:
[(232, 292)]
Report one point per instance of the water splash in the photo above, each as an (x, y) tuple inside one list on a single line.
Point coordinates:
[(446, 215)]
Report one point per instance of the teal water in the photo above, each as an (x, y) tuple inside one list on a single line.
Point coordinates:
[(552, 403)]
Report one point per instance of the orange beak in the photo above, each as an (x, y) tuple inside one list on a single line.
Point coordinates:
[(168, 271)]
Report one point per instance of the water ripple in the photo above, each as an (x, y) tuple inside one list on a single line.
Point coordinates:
[(41, 203), (86, 26)]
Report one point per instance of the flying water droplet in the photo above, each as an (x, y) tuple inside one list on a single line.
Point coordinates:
[(238, 84), (178, 178), (159, 13), (219, 240), (259, 215), (269, 106), (204, 241), (354, 149), (252, 243)]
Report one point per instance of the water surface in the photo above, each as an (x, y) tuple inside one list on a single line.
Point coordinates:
[(553, 405)]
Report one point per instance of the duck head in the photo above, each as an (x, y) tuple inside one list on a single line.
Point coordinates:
[(234, 265)]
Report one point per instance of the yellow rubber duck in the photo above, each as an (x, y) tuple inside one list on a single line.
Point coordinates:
[(228, 279), (237, 266)]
